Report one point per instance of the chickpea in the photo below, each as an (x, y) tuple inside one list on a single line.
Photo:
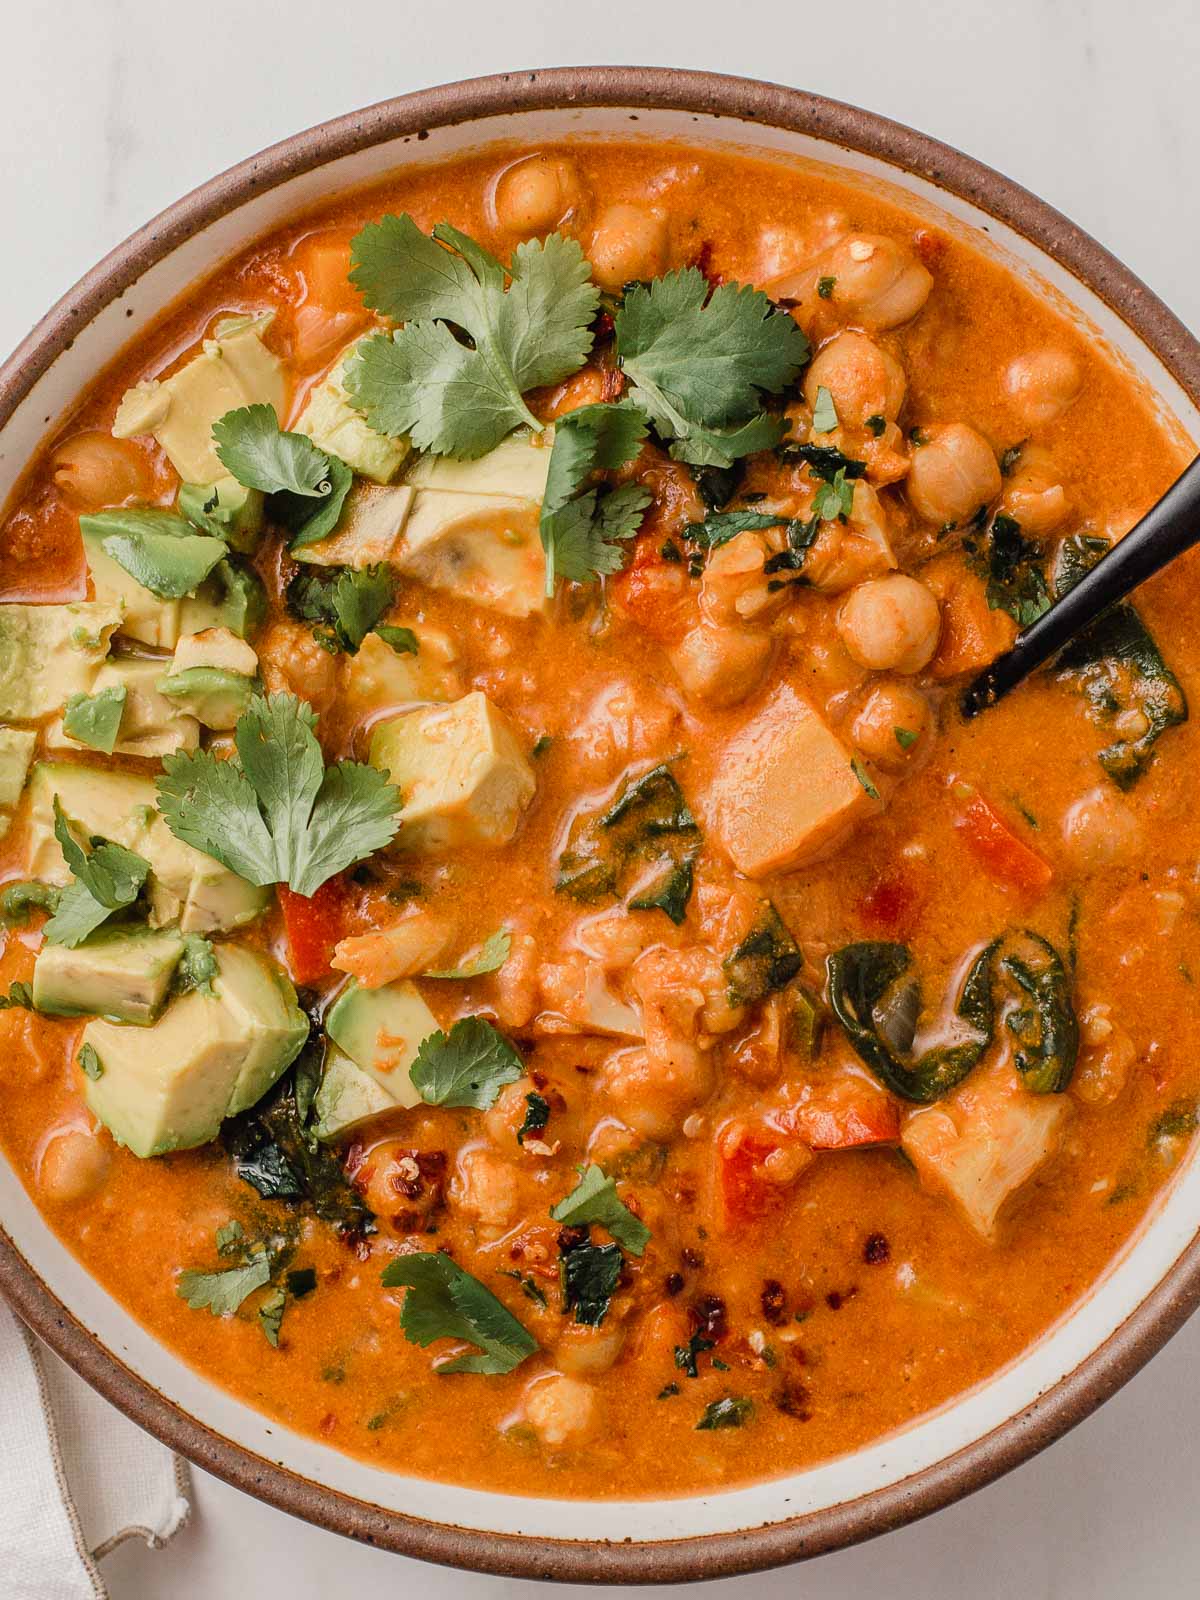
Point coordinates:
[(536, 195), (291, 660), (720, 666), (863, 380), (1042, 384), (889, 709), (582, 1350), (94, 470), (875, 279), (628, 243), (485, 1189), (953, 473), (559, 1408), (890, 623), (1033, 492), (504, 1119), (1101, 830), (74, 1164)]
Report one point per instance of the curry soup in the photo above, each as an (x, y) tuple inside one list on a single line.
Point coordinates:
[(515, 965)]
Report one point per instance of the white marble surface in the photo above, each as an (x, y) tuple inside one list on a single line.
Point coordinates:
[(112, 108)]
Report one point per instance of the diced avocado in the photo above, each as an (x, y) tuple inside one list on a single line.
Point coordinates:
[(333, 424), (186, 886), (123, 976), (169, 1086), (49, 653), (215, 697), (347, 1096), (379, 676), (516, 469), (461, 772), (482, 548), (225, 508), (151, 724), (473, 528), (212, 676), (233, 597), (368, 529), (381, 1031), (233, 369), (16, 752), (141, 614)]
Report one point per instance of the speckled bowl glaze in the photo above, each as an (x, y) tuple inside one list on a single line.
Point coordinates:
[(1147, 1293)]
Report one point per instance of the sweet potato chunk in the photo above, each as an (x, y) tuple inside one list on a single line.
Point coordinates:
[(785, 790), (984, 1141), (973, 635)]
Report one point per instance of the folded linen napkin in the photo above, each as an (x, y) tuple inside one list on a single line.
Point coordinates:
[(76, 1477)]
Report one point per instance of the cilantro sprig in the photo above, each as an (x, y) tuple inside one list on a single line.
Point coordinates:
[(345, 603), (444, 1302), (277, 814), (466, 1067), (307, 486), (526, 325), (107, 879), (595, 1199), (700, 363), (583, 527)]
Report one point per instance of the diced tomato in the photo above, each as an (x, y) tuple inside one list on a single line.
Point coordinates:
[(845, 1116), (891, 904), (313, 925), (1001, 854), (652, 591), (756, 1165)]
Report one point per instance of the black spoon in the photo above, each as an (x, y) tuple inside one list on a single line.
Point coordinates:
[(1166, 531)]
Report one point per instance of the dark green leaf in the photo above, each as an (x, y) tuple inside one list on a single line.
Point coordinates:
[(590, 1274), (90, 1063), (402, 640), (537, 1115), (347, 602), (767, 959), (444, 1302), (732, 1412)]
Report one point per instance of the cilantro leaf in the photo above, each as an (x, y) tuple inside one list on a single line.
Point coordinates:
[(444, 1302), (537, 1115), (18, 899), (18, 998), (864, 777), (701, 361), (270, 1315), (90, 1063), (733, 1411), (715, 447), (582, 531), (493, 953), (346, 602), (834, 501), (197, 966), (158, 549), (223, 1291), (590, 1274), (529, 326), (107, 878), (402, 640), (466, 1067), (722, 526), (595, 1199), (307, 486), (906, 737), (277, 814), (95, 719), (825, 417)]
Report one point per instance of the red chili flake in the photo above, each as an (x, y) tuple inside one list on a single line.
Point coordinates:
[(691, 1258), (571, 1238), (774, 1302), (612, 383), (673, 1283), (793, 1400), (836, 1299), (931, 247), (876, 1250), (327, 1423)]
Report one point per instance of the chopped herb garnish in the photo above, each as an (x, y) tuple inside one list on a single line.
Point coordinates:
[(906, 737), (528, 325), (584, 527), (345, 603), (864, 777), (466, 1067), (20, 998), (594, 1199), (734, 1411), (278, 814), (767, 959), (686, 1355), (444, 1302), (107, 879), (537, 1115), (825, 287), (590, 1274), (877, 426), (402, 640), (491, 956)]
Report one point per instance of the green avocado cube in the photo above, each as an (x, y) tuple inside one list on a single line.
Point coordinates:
[(226, 509), (151, 724), (48, 653), (170, 1085), (333, 425), (121, 975), (381, 1031), (16, 752), (186, 886), (347, 1097)]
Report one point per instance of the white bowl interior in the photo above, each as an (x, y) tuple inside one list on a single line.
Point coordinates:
[(1160, 1242)]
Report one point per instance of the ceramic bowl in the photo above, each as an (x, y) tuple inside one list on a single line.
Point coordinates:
[(1148, 1291)]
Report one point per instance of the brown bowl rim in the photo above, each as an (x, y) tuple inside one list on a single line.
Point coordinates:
[(1160, 1314)]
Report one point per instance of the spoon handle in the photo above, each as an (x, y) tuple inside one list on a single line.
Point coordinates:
[(1168, 529)]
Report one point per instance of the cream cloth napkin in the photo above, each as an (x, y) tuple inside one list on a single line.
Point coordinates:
[(76, 1477)]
